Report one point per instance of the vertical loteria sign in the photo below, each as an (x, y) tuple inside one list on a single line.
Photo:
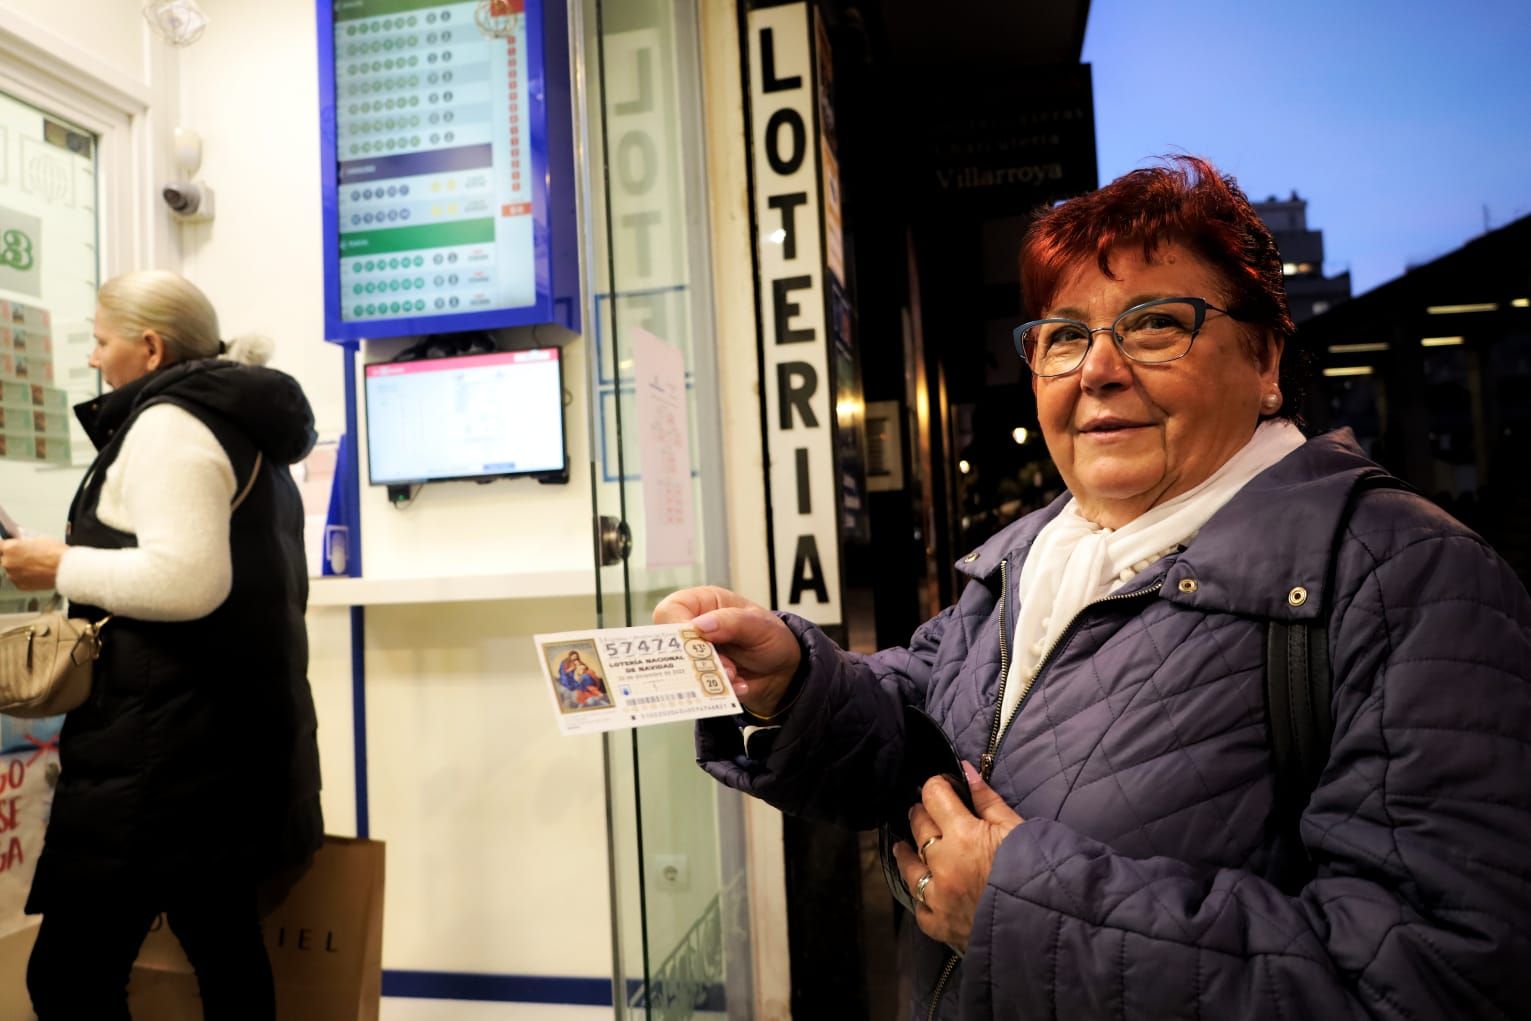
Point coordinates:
[(796, 390)]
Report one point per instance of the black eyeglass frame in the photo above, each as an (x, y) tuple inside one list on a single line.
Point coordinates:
[(1201, 305)]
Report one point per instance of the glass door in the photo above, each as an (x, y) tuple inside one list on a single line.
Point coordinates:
[(48, 267), (48, 258), (679, 933)]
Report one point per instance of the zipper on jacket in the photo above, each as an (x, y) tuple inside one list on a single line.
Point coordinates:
[(1001, 727), (986, 760), (946, 975)]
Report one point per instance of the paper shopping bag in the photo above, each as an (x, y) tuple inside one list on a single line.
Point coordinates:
[(15, 948), (326, 937), (325, 940)]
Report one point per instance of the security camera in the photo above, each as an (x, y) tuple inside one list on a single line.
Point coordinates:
[(189, 201)]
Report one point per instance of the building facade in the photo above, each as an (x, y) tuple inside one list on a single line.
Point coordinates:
[(1302, 254)]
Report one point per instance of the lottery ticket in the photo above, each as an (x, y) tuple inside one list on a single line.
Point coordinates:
[(613, 678)]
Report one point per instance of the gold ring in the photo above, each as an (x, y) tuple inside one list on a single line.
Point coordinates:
[(926, 846), (919, 888)]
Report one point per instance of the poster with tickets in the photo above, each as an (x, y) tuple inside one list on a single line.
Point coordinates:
[(28, 773), (614, 678)]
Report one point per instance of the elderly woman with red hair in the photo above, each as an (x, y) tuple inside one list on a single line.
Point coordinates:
[(1104, 671)]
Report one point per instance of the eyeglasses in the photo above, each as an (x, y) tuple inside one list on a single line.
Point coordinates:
[(1156, 331)]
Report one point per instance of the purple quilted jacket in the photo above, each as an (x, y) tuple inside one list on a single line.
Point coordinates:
[(1140, 885)]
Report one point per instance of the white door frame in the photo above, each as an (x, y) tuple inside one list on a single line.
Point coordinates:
[(49, 72)]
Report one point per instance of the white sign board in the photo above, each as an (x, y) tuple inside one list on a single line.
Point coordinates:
[(796, 386)]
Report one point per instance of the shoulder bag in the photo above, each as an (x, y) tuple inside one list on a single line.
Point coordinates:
[(45, 662)]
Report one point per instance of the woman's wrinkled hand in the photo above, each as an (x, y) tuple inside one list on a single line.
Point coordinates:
[(758, 651), (32, 563), (959, 860)]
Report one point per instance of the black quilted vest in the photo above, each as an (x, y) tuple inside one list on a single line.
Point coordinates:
[(195, 760)]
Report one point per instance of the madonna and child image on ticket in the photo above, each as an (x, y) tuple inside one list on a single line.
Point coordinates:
[(613, 678)]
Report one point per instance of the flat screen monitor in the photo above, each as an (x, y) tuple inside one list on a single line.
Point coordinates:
[(447, 163), (470, 417)]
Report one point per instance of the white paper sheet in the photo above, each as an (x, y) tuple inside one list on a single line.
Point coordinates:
[(664, 451)]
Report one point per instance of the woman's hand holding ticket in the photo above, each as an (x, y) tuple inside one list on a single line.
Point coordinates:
[(758, 651)]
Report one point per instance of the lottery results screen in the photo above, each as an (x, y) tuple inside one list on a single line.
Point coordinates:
[(437, 148)]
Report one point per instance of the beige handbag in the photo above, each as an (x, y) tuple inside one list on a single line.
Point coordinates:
[(45, 662)]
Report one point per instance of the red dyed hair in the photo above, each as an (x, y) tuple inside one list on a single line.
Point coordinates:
[(1185, 202)]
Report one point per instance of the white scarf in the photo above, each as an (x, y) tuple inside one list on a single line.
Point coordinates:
[(1074, 561)]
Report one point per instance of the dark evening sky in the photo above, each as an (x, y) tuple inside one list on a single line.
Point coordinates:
[(1401, 123)]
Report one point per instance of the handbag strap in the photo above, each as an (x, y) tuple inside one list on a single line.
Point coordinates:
[(95, 627), (56, 604), (250, 485)]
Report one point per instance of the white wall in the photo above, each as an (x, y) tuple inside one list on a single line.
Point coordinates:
[(250, 88), (112, 32)]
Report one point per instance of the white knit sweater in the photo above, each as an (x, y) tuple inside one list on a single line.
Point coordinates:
[(171, 486)]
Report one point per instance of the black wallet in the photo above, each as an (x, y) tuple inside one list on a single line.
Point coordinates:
[(928, 752)]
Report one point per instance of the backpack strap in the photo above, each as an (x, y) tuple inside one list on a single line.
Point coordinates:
[(1299, 694), (1298, 698)]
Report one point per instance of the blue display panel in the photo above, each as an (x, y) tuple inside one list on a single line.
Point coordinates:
[(448, 168)]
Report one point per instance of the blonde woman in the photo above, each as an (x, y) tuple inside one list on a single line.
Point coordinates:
[(191, 774)]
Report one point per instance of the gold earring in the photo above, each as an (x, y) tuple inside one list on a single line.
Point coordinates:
[(1270, 402)]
